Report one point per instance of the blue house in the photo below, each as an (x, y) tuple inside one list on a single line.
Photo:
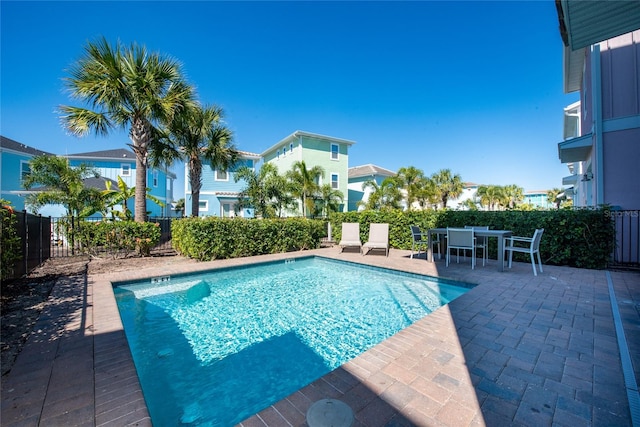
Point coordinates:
[(14, 165), (111, 164), (220, 191)]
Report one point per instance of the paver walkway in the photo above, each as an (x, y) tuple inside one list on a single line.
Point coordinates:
[(515, 350)]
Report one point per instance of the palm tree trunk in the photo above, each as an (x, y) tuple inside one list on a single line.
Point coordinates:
[(195, 181), (140, 135)]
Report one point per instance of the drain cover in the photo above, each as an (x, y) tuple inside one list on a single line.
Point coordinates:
[(329, 413)]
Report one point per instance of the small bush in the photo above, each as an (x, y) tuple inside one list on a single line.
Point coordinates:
[(9, 241), (210, 238), (116, 238)]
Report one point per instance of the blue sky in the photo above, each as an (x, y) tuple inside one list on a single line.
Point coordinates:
[(475, 87)]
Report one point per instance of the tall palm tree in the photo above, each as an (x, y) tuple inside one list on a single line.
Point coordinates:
[(448, 185), (199, 134), (305, 183), (427, 192), (127, 88), (411, 179), (54, 181)]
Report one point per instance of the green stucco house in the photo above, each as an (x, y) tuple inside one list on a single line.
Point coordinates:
[(332, 154)]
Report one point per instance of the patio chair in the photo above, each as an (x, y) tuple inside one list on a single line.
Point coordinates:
[(527, 245), (350, 236), (419, 238), (378, 238), (461, 238), (481, 241)]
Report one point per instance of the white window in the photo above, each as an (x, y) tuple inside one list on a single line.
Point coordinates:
[(278, 154), (334, 181), (155, 178), (203, 205), (291, 148), (125, 169), (222, 175), (284, 151), (334, 151), (25, 170)]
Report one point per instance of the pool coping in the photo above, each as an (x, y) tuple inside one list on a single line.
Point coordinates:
[(481, 360)]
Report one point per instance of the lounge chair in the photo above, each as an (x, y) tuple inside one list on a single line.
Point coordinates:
[(378, 238), (350, 236)]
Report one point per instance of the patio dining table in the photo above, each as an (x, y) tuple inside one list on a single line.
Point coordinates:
[(499, 234)]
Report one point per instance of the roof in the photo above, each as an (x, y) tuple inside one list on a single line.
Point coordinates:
[(119, 153), (248, 155), (99, 183), (369, 170), (300, 133), (10, 144), (584, 23)]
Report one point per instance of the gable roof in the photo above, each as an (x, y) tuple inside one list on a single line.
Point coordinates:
[(369, 170), (10, 144), (300, 133), (119, 153)]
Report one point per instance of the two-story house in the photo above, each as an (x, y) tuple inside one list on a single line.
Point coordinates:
[(330, 153), (602, 130), (358, 175), (220, 191), (14, 166)]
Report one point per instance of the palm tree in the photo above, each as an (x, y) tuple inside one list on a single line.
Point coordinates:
[(556, 196), (305, 183), (387, 195), (179, 207), (199, 134), (126, 87), (491, 196), (427, 194), (411, 179), (514, 194), (447, 185), (54, 181), (122, 195), (330, 199)]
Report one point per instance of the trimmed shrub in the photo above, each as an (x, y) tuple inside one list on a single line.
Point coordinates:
[(116, 238), (210, 238)]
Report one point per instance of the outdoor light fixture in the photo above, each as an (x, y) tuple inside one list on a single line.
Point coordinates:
[(587, 176)]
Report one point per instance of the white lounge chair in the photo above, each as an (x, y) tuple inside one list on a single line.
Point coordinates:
[(378, 238), (528, 245), (350, 236)]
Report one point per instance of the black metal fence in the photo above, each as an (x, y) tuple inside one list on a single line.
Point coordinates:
[(627, 250), (35, 242)]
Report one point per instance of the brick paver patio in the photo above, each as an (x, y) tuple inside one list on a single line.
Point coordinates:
[(515, 350)]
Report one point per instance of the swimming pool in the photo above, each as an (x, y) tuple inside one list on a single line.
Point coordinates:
[(217, 347)]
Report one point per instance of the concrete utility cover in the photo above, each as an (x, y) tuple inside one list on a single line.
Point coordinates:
[(329, 413)]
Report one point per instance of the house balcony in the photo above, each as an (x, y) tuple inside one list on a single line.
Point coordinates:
[(575, 149)]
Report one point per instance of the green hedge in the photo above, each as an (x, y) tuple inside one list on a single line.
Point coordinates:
[(114, 238), (579, 238), (210, 238)]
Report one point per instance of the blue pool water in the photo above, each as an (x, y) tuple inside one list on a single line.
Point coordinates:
[(214, 348)]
